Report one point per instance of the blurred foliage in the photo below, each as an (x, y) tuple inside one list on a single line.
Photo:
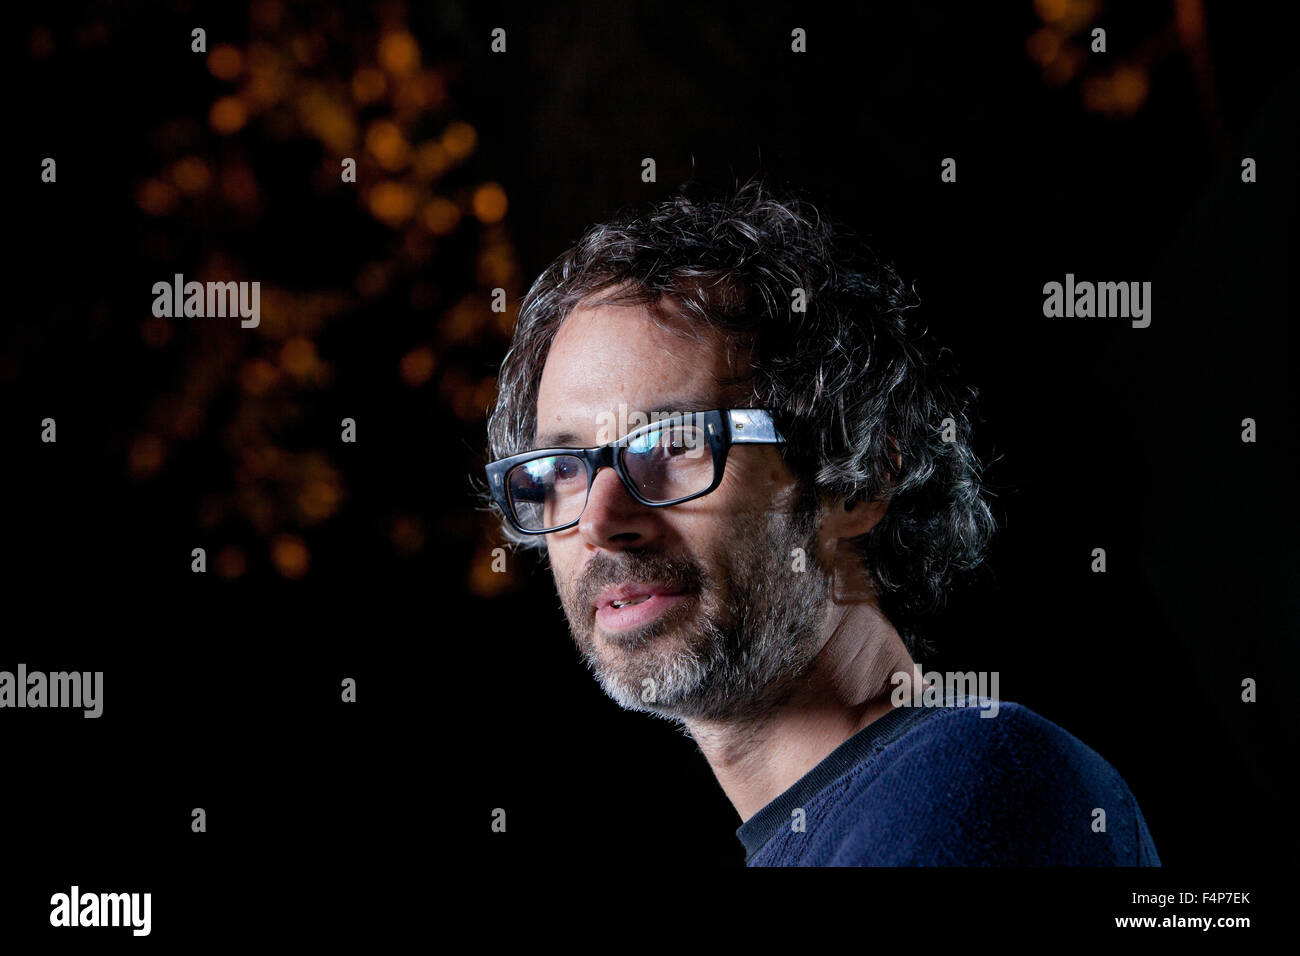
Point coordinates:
[(1116, 84), (236, 186)]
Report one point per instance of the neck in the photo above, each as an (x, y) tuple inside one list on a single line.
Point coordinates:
[(849, 687)]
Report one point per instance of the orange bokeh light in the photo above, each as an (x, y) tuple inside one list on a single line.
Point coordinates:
[(146, 456), (156, 197), (228, 115), (490, 203), (191, 174), (392, 203), (230, 563), (385, 141), (399, 53), (290, 555), (441, 216), (417, 365), (225, 62), (459, 139)]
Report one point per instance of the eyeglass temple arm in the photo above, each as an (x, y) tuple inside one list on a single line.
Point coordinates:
[(752, 426)]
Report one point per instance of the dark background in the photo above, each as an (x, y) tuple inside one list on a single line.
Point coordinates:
[(329, 560)]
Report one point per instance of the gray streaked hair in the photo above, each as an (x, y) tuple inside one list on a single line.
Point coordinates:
[(850, 379)]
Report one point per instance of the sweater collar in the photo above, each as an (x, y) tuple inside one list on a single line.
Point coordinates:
[(763, 825)]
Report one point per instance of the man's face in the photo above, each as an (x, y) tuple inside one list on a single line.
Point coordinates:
[(735, 614)]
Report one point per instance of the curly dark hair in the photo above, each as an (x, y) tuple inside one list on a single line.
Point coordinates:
[(853, 385)]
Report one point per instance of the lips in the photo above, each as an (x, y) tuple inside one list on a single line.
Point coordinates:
[(627, 610), (627, 595)]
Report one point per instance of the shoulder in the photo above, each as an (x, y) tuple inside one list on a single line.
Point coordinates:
[(1006, 738), (1008, 729), (963, 787)]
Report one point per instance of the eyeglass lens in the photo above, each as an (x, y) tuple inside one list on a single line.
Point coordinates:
[(663, 464)]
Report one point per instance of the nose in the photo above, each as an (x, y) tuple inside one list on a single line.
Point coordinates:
[(613, 519)]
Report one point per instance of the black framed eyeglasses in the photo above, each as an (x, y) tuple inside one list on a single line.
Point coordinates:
[(660, 464)]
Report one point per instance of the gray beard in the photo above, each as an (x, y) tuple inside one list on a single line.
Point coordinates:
[(737, 648)]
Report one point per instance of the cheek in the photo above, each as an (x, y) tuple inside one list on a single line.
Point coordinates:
[(750, 486), (562, 570)]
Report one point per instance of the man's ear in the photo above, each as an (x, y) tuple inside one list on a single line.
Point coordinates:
[(854, 516), (844, 521)]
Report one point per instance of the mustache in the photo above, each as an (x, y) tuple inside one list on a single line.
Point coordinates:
[(604, 570)]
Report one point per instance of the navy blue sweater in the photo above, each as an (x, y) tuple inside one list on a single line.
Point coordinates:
[(944, 786)]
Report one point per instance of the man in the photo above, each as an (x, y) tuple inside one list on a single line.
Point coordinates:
[(752, 477)]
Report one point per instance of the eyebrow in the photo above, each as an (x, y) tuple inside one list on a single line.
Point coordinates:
[(679, 405), (558, 440)]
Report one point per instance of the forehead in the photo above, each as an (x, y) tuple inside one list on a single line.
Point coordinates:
[(607, 355)]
